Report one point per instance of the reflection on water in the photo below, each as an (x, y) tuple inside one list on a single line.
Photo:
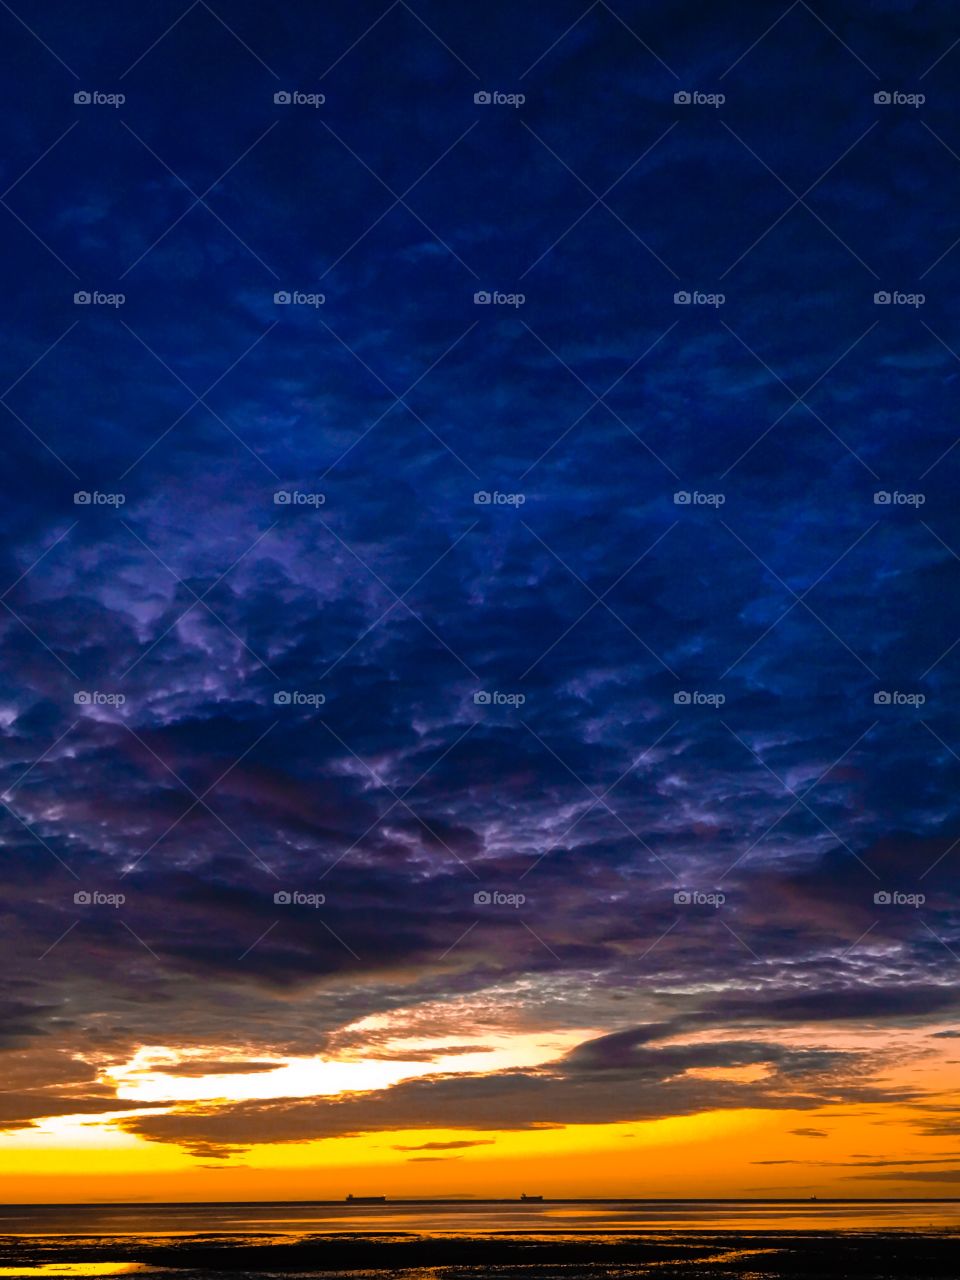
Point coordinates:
[(478, 1218), (75, 1269), (559, 1240)]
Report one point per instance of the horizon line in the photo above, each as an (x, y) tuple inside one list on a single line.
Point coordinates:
[(511, 1200)]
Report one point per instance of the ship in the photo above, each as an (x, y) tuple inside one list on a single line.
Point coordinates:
[(351, 1199), (528, 1199)]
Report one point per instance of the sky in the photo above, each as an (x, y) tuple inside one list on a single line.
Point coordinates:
[(479, 622)]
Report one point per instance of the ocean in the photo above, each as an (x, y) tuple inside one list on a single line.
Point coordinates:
[(444, 1240)]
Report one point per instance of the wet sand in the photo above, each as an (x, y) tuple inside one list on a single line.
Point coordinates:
[(457, 1240), (859, 1255)]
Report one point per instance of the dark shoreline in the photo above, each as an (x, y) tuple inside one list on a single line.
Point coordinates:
[(863, 1255)]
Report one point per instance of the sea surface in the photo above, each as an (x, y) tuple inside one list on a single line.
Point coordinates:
[(443, 1240)]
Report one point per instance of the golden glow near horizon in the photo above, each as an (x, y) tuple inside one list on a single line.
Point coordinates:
[(714, 1153), (749, 1152)]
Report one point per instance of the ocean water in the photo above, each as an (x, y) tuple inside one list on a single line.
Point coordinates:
[(430, 1240), (475, 1218)]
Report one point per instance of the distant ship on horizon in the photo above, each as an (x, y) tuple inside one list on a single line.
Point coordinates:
[(366, 1199), (524, 1196)]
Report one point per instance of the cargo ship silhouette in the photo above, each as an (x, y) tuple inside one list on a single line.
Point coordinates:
[(527, 1198), (365, 1199)]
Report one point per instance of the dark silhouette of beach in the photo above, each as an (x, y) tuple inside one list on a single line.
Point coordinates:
[(561, 1239), (859, 1256)]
